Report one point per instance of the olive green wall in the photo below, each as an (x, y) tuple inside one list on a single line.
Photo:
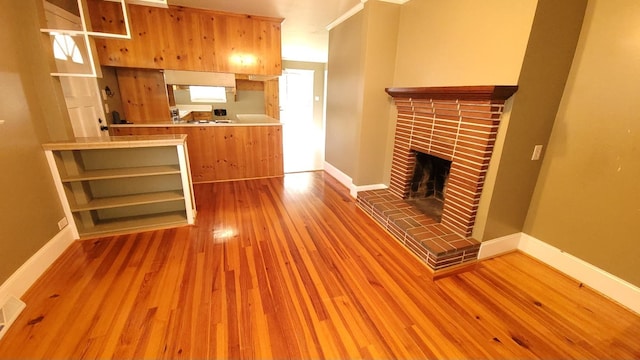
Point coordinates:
[(30, 105), (421, 43), (547, 60), (462, 42), (361, 60), (382, 21), (587, 199), (344, 94)]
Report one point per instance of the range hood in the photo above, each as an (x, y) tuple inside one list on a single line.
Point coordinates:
[(201, 78)]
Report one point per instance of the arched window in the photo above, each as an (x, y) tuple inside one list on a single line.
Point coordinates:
[(65, 48)]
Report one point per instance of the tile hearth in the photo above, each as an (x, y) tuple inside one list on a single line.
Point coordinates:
[(434, 243)]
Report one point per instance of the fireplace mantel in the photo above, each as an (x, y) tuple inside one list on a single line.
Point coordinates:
[(489, 92)]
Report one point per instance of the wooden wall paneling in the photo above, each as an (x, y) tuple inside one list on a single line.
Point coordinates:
[(241, 55), (165, 44), (249, 85), (224, 43), (272, 98), (208, 42), (144, 96), (185, 44), (194, 39), (149, 48), (105, 16), (271, 44)]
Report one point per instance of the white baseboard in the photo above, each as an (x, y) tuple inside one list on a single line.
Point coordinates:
[(343, 178), (346, 180), (610, 285), (499, 246), (21, 280), (607, 284)]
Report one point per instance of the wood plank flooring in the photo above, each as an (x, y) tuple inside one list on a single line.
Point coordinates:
[(291, 268)]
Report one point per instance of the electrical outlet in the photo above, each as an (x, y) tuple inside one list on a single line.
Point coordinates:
[(62, 223), (537, 150)]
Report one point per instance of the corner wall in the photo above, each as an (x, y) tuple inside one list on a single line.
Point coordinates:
[(32, 112), (361, 59), (586, 201), (344, 94), (512, 174)]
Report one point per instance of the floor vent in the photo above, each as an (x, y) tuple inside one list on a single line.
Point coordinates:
[(9, 312)]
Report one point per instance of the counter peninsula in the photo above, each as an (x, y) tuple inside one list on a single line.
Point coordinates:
[(248, 147)]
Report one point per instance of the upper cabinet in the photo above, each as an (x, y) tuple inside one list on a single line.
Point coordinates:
[(190, 39)]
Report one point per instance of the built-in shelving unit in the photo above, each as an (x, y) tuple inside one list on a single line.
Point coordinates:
[(123, 183)]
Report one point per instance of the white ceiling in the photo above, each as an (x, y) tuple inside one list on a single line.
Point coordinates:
[(304, 33)]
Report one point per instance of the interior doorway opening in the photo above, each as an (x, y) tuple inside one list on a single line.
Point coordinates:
[(303, 135)]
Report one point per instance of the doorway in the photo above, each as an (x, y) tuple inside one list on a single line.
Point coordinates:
[(302, 131), (81, 92)]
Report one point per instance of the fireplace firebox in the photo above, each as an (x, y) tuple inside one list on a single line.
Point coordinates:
[(428, 184)]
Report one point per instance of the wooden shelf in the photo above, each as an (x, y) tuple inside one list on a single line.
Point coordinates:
[(128, 200), (136, 223), (123, 173), (132, 183)]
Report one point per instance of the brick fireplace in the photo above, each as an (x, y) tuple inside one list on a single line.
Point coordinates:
[(456, 124)]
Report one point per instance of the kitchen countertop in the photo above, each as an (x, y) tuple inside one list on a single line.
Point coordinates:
[(241, 120)]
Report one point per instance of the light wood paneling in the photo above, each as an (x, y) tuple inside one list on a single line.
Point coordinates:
[(193, 39), (220, 152), (144, 96), (290, 267), (250, 85), (272, 98)]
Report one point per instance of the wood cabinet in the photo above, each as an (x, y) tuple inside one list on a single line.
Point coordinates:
[(144, 95), (123, 184), (224, 152), (191, 39)]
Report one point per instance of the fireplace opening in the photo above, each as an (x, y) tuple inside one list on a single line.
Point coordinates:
[(429, 184)]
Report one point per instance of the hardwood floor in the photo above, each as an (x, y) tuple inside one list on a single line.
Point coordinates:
[(291, 268)]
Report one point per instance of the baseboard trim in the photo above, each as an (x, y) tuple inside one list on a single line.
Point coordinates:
[(346, 180), (499, 246), (21, 280), (343, 178), (609, 285), (605, 283)]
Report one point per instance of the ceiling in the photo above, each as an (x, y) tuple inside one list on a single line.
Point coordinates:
[(304, 33)]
